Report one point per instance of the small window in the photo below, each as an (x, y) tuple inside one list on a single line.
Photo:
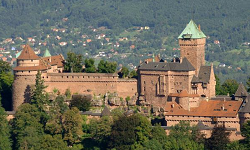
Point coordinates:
[(31, 60)]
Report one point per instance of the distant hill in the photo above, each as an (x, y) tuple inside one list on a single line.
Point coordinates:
[(224, 20)]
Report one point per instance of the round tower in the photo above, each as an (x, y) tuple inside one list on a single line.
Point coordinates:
[(28, 63), (183, 99)]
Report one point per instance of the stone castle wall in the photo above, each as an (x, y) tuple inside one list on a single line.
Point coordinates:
[(150, 85), (81, 83), (90, 83)]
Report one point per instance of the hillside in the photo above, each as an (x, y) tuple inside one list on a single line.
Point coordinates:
[(134, 28)]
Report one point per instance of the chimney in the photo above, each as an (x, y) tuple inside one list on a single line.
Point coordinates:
[(180, 59), (172, 106), (199, 27), (165, 61), (223, 107), (174, 59)]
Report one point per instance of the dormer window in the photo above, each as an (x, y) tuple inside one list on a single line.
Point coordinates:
[(187, 36)]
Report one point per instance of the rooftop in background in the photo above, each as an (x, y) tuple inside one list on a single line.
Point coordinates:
[(46, 53), (192, 31)]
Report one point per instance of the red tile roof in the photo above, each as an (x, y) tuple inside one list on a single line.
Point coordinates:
[(28, 53), (212, 108)]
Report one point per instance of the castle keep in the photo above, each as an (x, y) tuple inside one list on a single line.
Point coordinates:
[(160, 81)]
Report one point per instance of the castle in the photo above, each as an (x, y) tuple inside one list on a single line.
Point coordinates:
[(183, 90), (160, 81), (51, 67)]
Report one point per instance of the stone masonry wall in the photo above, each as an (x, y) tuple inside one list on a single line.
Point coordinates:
[(174, 82), (90, 83), (194, 51), (81, 83), (21, 88)]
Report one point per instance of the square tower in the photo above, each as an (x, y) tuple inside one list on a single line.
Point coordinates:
[(192, 45)]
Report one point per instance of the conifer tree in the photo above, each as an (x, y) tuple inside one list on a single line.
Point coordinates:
[(39, 97)]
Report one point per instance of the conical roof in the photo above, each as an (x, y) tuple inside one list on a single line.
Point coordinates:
[(46, 53), (192, 31), (241, 91), (246, 108), (28, 53), (105, 112), (18, 54)]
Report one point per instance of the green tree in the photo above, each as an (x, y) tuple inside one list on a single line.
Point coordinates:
[(248, 84), (219, 139), (4, 67), (49, 142), (133, 74), (72, 126), (129, 132), (183, 136), (124, 72), (5, 142), (6, 80), (236, 145), (82, 102), (229, 86), (90, 65), (27, 128), (107, 67), (73, 63), (218, 88), (56, 110), (100, 130), (39, 97)]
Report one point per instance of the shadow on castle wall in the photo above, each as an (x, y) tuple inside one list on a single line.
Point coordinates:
[(27, 94)]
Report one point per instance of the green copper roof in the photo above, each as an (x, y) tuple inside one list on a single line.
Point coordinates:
[(192, 32), (18, 54), (46, 53)]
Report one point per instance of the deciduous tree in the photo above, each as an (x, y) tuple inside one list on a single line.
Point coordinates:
[(73, 63)]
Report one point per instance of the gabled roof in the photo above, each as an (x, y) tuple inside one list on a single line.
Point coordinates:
[(46, 53), (28, 53), (183, 93), (241, 91), (204, 75), (192, 31), (185, 65)]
